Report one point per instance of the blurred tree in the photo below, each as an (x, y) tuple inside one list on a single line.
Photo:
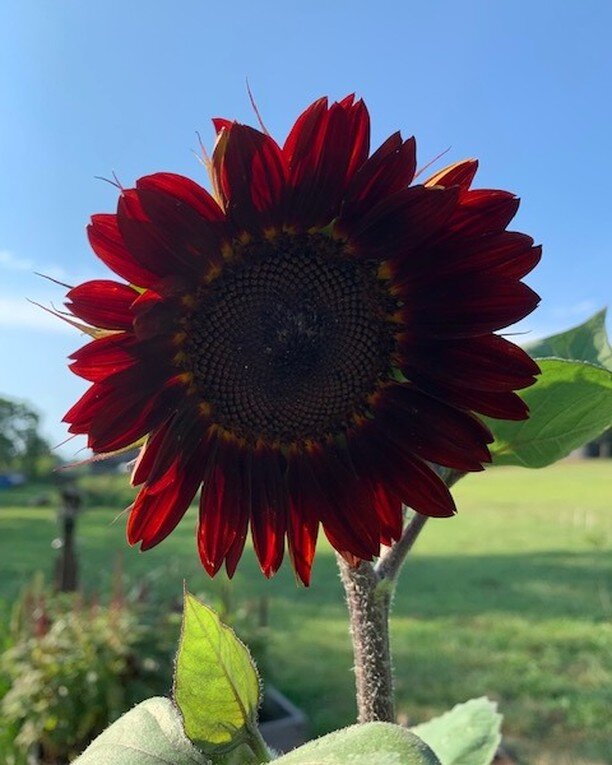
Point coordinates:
[(22, 448)]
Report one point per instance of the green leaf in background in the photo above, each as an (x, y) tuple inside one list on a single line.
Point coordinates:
[(374, 743), (467, 735), (216, 685), (586, 342), (150, 734), (570, 404)]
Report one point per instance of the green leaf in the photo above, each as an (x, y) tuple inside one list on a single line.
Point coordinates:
[(377, 742), (216, 685), (570, 404), (149, 734), (467, 735), (586, 342)]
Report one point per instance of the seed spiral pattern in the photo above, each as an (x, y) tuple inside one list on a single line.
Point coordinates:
[(288, 343)]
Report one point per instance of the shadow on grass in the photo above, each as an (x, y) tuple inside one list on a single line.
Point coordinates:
[(532, 585)]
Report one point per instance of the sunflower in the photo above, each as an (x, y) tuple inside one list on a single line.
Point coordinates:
[(300, 346)]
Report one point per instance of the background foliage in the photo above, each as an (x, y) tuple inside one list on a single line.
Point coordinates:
[(22, 448)]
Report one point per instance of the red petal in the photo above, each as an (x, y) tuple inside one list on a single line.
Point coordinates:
[(305, 138), (171, 447), (186, 191), (150, 244), (235, 552), (79, 416), (103, 303), (390, 514), (105, 356), (403, 474), (127, 391), (268, 511), (250, 172), (402, 222), (483, 211), (107, 242), (148, 454), (224, 507), (303, 523), (145, 301), (425, 491), (196, 242), (359, 133), (348, 516), (519, 265), (319, 163), (156, 318), (488, 363), (220, 123), (307, 492), (390, 169), (468, 307), (156, 512), (154, 516), (459, 174), (302, 535), (503, 406), (507, 254), (131, 416), (432, 430)]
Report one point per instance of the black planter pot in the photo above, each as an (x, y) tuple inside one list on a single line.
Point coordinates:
[(282, 724)]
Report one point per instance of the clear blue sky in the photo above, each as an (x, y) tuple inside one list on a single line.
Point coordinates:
[(94, 86)]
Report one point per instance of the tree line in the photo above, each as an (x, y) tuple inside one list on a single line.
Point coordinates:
[(22, 448)]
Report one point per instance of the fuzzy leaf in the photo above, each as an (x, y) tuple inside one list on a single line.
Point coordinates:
[(586, 342), (149, 734), (216, 686), (570, 404), (467, 735), (377, 742)]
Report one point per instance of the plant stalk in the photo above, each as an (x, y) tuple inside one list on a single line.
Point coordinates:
[(259, 747), (369, 601), (369, 591)]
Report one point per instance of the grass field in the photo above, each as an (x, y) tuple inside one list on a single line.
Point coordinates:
[(512, 598)]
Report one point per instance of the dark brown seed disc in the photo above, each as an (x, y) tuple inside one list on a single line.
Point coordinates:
[(288, 342)]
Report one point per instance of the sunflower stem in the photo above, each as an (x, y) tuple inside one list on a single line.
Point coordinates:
[(369, 592), (369, 602), (259, 746)]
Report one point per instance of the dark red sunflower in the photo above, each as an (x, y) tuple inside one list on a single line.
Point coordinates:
[(300, 345)]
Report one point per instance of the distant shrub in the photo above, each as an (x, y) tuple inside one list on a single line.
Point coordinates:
[(73, 668), (70, 666)]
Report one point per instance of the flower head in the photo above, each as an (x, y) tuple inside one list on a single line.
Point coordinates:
[(300, 345)]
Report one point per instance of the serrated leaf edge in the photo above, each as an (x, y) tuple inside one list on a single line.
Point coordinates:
[(249, 726)]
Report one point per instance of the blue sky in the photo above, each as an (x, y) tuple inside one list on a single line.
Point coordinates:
[(88, 88)]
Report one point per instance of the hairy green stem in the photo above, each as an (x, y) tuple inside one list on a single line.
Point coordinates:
[(369, 602), (257, 744), (369, 592)]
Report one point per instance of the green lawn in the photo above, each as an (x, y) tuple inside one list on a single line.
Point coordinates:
[(511, 599)]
